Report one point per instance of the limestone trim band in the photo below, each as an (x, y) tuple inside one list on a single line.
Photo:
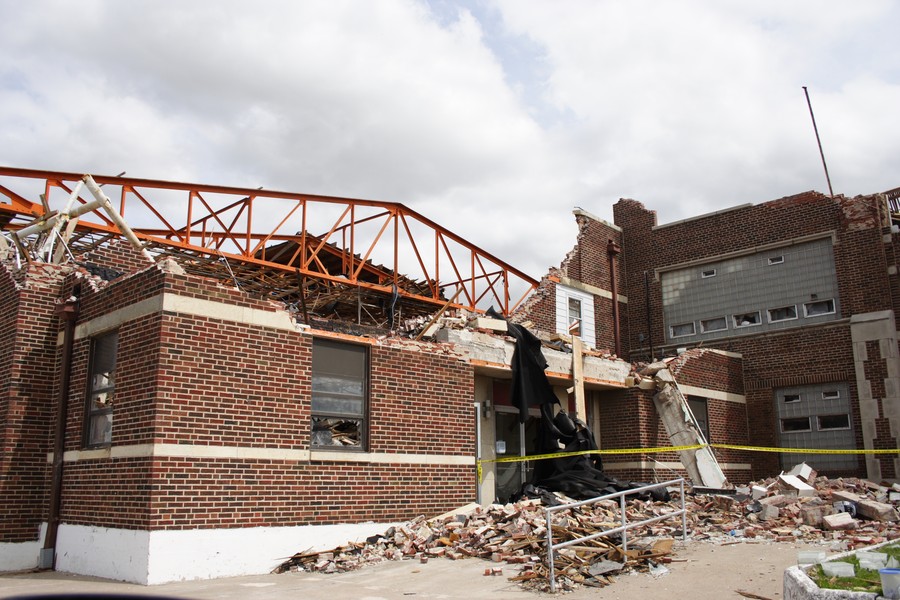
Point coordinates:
[(250, 453)]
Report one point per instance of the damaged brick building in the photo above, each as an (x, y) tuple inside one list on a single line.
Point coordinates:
[(252, 392), (794, 298)]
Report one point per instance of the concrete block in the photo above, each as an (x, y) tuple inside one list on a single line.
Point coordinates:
[(839, 521), (758, 491), (876, 511), (806, 473), (769, 513), (487, 323), (844, 496), (813, 515), (795, 485), (778, 500)]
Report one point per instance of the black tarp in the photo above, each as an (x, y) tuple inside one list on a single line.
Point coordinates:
[(579, 477)]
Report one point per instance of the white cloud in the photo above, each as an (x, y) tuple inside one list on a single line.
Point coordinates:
[(493, 119)]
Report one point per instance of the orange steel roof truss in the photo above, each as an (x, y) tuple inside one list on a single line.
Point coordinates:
[(365, 252)]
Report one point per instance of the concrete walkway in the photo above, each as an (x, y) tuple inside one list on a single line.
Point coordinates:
[(702, 572)]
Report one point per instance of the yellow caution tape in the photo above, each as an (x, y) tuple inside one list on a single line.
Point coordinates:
[(804, 450), (515, 459)]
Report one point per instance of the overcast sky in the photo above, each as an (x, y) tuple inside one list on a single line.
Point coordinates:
[(493, 118)]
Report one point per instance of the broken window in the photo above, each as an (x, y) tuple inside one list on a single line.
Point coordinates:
[(776, 260), (746, 319), (683, 329), (784, 313), (821, 307), (833, 422), (717, 324), (575, 316), (796, 424), (339, 392), (707, 273), (101, 390), (831, 395), (791, 398)]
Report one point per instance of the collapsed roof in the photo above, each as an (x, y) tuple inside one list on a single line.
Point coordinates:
[(324, 256)]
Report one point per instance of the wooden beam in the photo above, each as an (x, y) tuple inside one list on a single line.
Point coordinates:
[(578, 377)]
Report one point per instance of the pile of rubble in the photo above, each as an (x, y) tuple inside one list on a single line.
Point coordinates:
[(845, 513), (514, 534)]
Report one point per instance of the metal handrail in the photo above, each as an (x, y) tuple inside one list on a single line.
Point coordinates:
[(623, 529)]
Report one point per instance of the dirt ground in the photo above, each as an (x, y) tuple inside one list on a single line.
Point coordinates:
[(709, 571), (699, 571)]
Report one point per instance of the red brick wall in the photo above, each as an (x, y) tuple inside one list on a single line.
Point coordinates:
[(28, 370), (859, 249), (710, 370), (187, 379), (813, 354)]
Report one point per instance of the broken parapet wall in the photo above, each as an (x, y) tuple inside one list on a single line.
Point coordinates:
[(495, 353), (714, 379), (584, 269)]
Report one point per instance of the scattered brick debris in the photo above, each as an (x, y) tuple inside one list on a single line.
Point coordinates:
[(515, 534)]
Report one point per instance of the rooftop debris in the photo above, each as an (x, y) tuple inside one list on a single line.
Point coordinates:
[(515, 533)]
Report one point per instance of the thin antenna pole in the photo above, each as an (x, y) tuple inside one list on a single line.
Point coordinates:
[(818, 141)]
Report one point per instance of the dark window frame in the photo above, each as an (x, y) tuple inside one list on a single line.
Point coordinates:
[(828, 302), (737, 324), (355, 351), (808, 428), (102, 390), (774, 314), (674, 335), (704, 324)]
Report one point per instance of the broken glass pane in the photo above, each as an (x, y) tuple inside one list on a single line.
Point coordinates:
[(345, 433)]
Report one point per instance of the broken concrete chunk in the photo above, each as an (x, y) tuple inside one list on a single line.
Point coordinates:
[(839, 521), (876, 511), (845, 496), (795, 485), (487, 323), (769, 513), (804, 472), (778, 500), (813, 515), (653, 368), (758, 491)]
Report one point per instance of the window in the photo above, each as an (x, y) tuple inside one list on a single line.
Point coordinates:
[(746, 319), (796, 424), (776, 260), (784, 313), (575, 316), (816, 309), (708, 273), (683, 329), (717, 324), (339, 392), (791, 398), (831, 395), (833, 422), (699, 409), (101, 390)]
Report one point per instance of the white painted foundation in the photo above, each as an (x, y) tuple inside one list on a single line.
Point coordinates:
[(20, 556), (155, 557)]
